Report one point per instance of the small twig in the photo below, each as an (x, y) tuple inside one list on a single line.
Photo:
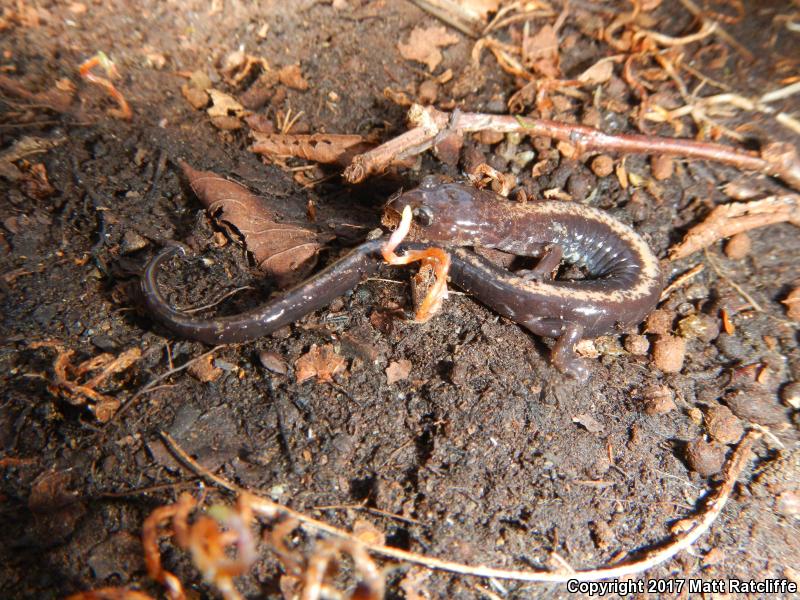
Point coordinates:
[(681, 280), (150, 386), (727, 220), (369, 509), (742, 292), (776, 159), (222, 298), (695, 527), (719, 31)]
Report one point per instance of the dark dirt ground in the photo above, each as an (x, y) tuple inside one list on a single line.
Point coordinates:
[(477, 449)]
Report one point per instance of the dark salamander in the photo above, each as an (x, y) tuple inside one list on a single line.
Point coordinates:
[(624, 281)]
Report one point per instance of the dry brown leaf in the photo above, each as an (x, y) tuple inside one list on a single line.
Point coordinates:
[(792, 303), (198, 98), (599, 72), (320, 362), (238, 66), (591, 424), (540, 52), (319, 147), (292, 77), (424, 43), (398, 370), (225, 111), (285, 251)]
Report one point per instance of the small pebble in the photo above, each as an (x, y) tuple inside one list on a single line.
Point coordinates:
[(132, 242), (602, 534), (668, 353), (713, 557), (428, 92), (788, 503), (790, 394), (695, 415), (731, 347), (705, 458), (700, 326), (273, 362), (738, 246), (204, 370), (566, 149), (658, 400), (662, 167), (490, 138), (637, 344), (757, 405), (722, 425), (659, 322), (602, 165), (104, 343), (541, 144), (579, 185)]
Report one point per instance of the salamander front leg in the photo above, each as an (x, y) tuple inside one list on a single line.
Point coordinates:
[(548, 263), (562, 356)]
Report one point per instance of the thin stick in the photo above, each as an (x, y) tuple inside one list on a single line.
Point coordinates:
[(776, 159), (681, 541), (742, 292), (681, 280), (719, 31), (150, 385)]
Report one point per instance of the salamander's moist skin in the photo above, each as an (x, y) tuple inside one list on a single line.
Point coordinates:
[(624, 281)]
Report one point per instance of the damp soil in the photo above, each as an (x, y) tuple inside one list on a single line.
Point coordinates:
[(483, 454)]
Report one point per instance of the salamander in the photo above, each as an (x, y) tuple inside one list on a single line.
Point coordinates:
[(624, 284), (624, 279)]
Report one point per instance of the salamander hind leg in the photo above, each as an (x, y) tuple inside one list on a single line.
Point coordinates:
[(563, 355), (548, 263)]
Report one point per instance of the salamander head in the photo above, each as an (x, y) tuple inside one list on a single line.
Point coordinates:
[(449, 213)]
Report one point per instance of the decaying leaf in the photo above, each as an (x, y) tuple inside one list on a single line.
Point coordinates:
[(68, 379), (285, 251), (22, 148), (320, 362), (58, 98), (205, 370), (424, 43), (319, 147)]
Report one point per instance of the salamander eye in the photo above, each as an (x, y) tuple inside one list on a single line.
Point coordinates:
[(423, 215)]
